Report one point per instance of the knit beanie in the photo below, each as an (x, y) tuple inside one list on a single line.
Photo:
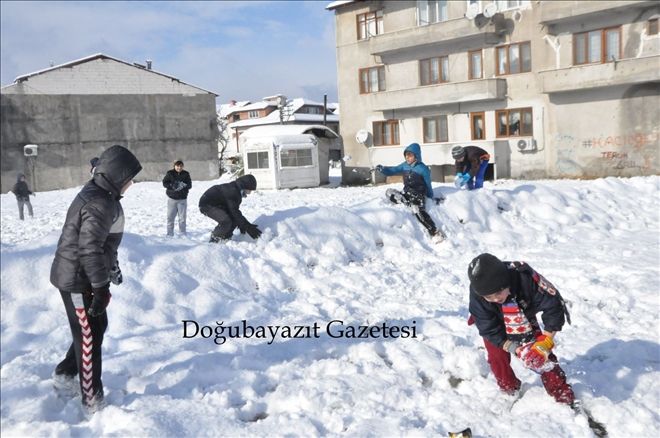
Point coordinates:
[(247, 182), (488, 274)]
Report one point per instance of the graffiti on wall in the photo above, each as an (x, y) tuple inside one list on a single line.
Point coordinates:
[(631, 151)]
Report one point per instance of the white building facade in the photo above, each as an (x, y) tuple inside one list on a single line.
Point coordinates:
[(551, 89)]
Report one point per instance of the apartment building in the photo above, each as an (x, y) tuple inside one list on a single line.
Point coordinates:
[(551, 89)]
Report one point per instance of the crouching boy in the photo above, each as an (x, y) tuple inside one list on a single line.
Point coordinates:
[(504, 300)]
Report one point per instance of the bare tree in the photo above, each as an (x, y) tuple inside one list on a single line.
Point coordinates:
[(223, 141)]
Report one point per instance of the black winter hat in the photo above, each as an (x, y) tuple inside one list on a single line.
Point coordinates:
[(457, 152), (247, 182), (488, 274)]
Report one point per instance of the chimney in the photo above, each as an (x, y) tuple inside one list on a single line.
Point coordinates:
[(148, 64)]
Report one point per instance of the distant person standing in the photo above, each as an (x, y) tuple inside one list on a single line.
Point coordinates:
[(22, 193), (177, 182)]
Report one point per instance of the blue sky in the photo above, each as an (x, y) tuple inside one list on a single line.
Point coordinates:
[(241, 50)]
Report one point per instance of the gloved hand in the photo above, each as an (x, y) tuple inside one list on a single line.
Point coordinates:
[(180, 185), (253, 231), (458, 180), (379, 168), (100, 300), (535, 354), (115, 274)]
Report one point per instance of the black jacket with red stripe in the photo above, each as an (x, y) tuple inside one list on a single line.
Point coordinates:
[(532, 292)]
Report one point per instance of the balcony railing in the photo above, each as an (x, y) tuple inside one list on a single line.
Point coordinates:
[(622, 72), (441, 94)]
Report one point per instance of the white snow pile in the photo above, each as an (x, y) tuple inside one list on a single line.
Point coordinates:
[(348, 255)]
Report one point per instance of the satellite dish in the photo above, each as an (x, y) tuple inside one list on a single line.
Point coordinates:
[(490, 10), (480, 20), (472, 11), (362, 136)]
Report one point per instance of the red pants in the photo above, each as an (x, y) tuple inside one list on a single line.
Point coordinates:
[(554, 380)]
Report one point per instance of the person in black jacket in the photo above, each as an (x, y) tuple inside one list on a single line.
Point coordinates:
[(85, 263), (221, 203), (504, 300), (177, 182), (22, 193), (471, 165)]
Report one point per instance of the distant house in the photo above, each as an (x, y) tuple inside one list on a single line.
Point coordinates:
[(241, 116), (73, 111)]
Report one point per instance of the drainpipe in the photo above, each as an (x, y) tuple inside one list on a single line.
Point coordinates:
[(325, 108)]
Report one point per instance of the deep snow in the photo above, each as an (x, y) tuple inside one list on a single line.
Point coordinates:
[(336, 253)]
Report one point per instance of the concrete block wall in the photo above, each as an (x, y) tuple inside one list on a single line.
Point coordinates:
[(71, 129)]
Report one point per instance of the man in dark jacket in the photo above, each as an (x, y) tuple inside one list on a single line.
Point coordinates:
[(416, 186), (177, 182), (221, 203), (86, 262), (471, 165), (504, 300), (22, 193)]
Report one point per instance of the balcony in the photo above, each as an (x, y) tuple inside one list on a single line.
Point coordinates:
[(449, 36), (554, 12), (623, 72), (442, 94)]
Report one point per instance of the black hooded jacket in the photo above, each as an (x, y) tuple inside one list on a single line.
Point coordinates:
[(532, 292), (229, 197), (94, 225), (21, 189)]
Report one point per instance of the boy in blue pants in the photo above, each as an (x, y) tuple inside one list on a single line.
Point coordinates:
[(471, 164)]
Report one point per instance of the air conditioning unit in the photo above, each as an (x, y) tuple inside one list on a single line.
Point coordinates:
[(526, 145), (30, 150)]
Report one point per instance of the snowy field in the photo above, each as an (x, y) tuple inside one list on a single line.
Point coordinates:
[(343, 254)]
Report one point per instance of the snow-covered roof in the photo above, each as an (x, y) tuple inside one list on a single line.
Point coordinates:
[(265, 131), (291, 110), (99, 56), (338, 3), (225, 109), (251, 107)]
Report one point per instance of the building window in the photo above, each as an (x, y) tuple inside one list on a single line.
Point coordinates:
[(258, 160), (514, 122), (597, 46), (296, 157), (478, 126), (433, 70), (503, 5), (253, 114), (369, 24), (431, 11), (475, 62), (386, 133), (514, 58), (435, 129), (653, 26), (372, 79)]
